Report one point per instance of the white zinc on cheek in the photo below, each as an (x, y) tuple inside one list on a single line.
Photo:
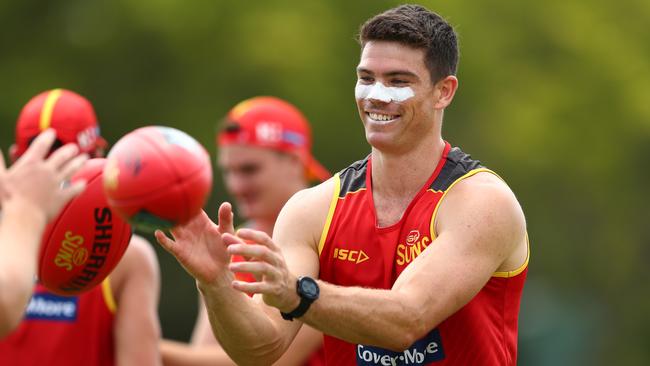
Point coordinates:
[(383, 93)]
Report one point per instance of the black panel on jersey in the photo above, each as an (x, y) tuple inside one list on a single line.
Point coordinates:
[(458, 164), (353, 178)]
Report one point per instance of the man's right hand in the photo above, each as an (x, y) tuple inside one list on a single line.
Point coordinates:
[(199, 248)]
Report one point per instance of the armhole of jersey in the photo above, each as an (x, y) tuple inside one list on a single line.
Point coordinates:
[(432, 227), (504, 274), (330, 213), (513, 273), (108, 295)]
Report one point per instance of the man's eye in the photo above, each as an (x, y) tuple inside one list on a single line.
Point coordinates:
[(399, 82), (249, 169), (366, 79)]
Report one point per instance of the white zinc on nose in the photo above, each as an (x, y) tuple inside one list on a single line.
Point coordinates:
[(379, 91)]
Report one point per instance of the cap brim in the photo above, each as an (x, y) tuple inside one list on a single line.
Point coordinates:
[(316, 171)]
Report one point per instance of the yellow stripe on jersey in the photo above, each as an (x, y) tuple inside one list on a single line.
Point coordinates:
[(48, 108), (354, 192), (505, 274), (108, 295), (330, 214), (432, 225), (508, 274)]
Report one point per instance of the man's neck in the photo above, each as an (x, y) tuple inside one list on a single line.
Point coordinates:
[(396, 174), (396, 179)]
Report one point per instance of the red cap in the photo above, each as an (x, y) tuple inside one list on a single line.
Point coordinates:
[(275, 124), (68, 113)]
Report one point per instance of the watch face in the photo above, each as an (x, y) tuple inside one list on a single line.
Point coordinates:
[(309, 288)]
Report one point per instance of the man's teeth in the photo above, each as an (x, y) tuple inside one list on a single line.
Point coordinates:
[(380, 117)]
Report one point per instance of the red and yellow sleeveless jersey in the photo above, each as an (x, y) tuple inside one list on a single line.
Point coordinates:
[(63, 330), (355, 252)]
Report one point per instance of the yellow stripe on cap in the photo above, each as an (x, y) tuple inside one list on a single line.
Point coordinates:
[(48, 108)]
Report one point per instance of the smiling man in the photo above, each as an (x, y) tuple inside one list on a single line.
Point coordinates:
[(415, 255)]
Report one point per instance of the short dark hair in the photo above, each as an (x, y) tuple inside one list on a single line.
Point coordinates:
[(420, 28)]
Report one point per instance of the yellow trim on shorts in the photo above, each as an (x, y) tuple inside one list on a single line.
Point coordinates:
[(108, 295), (330, 213), (48, 108)]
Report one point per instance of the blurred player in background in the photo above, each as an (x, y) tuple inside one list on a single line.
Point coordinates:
[(264, 153), (115, 323), (30, 196)]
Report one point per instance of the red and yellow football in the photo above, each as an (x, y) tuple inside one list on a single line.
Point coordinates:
[(84, 243), (157, 177)]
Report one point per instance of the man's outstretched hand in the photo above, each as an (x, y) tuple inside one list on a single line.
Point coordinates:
[(198, 245)]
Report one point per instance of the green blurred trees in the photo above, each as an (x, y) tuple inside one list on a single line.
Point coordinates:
[(552, 96)]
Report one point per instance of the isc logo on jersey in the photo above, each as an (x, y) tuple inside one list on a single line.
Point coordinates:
[(422, 352), (354, 256), (45, 306)]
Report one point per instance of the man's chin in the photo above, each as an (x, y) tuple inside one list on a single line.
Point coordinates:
[(245, 210)]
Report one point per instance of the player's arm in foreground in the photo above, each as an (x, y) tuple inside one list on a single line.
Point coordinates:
[(136, 285), (30, 195), (234, 316), (204, 350)]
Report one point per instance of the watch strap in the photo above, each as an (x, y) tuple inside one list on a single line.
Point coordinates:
[(298, 311)]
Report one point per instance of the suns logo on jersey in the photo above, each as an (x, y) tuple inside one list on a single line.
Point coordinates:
[(415, 244), (412, 237)]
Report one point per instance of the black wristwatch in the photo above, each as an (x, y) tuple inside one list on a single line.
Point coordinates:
[(308, 291)]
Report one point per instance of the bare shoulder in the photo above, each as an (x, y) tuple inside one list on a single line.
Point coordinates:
[(484, 211), (139, 253), (139, 261), (309, 208)]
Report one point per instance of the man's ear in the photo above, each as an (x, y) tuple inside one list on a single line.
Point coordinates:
[(297, 162), (13, 153), (446, 90)]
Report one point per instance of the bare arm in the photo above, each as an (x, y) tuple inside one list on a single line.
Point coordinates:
[(20, 235), (199, 248), (204, 350), (480, 229), (30, 195), (136, 284)]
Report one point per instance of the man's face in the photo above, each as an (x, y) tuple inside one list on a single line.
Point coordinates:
[(395, 95), (260, 180)]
